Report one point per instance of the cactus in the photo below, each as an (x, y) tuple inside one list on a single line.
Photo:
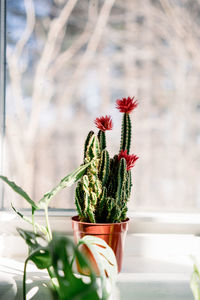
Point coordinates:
[(104, 167), (102, 139), (104, 190), (87, 141), (126, 133), (121, 178)]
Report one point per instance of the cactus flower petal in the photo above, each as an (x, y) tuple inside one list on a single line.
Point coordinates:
[(126, 105), (104, 123), (130, 159)]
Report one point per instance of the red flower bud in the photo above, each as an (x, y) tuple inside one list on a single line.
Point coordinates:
[(130, 159), (126, 105), (104, 123)]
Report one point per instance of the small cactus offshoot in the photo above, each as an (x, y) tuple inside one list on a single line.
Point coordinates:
[(103, 191)]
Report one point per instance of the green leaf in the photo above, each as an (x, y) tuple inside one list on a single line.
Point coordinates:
[(30, 238), (195, 279), (65, 182), (19, 191), (105, 259), (56, 258), (37, 253), (195, 285), (41, 258), (30, 221), (70, 287)]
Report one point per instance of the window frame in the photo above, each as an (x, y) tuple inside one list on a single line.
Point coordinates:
[(140, 222), (2, 91)]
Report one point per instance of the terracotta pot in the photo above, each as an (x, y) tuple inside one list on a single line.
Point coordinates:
[(112, 233)]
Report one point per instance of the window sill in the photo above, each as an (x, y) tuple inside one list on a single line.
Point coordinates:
[(156, 266), (140, 222), (149, 234), (149, 279)]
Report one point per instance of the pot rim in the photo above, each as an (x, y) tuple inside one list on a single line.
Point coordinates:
[(76, 219)]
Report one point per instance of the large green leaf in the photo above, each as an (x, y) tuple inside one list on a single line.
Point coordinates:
[(65, 182), (56, 258), (105, 259), (30, 238), (19, 191), (103, 254), (41, 258), (70, 286), (37, 253)]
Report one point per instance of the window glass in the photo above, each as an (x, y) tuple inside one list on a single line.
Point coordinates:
[(68, 62)]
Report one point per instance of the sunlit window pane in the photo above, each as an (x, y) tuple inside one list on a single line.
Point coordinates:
[(67, 63)]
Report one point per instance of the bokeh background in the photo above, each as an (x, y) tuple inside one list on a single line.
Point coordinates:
[(67, 63)]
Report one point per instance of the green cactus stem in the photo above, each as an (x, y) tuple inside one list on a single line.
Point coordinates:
[(85, 187), (122, 177), (78, 205), (126, 133), (92, 150), (110, 204), (102, 204), (129, 184), (89, 207), (102, 139), (104, 189), (123, 213), (112, 181), (90, 134), (90, 185), (116, 214), (104, 168)]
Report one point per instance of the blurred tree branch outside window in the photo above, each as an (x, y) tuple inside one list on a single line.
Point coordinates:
[(67, 63)]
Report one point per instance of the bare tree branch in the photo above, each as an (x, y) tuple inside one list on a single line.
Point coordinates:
[(91, 47), (13, 60), (30, 23), (39, 86), (65, 56)]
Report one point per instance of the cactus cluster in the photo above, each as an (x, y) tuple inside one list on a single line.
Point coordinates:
[(102, 194)]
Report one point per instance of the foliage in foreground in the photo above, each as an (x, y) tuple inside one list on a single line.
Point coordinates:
[(55, 256), (195, 281)]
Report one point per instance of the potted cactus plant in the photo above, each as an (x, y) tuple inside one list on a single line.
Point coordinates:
[(103, 188), (103, 192)]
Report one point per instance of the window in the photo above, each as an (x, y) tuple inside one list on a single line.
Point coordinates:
[(67, 63), (2, 92)]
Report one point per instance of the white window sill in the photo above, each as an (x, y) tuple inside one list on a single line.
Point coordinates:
[(140, 222), (155, 266), (157, 263), (148, 281)]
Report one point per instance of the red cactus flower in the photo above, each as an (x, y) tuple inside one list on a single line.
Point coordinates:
[(126, 105), (104, 123), (130, 159)]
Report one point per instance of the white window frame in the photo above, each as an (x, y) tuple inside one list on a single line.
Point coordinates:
[(140, 222), (2, 89)]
